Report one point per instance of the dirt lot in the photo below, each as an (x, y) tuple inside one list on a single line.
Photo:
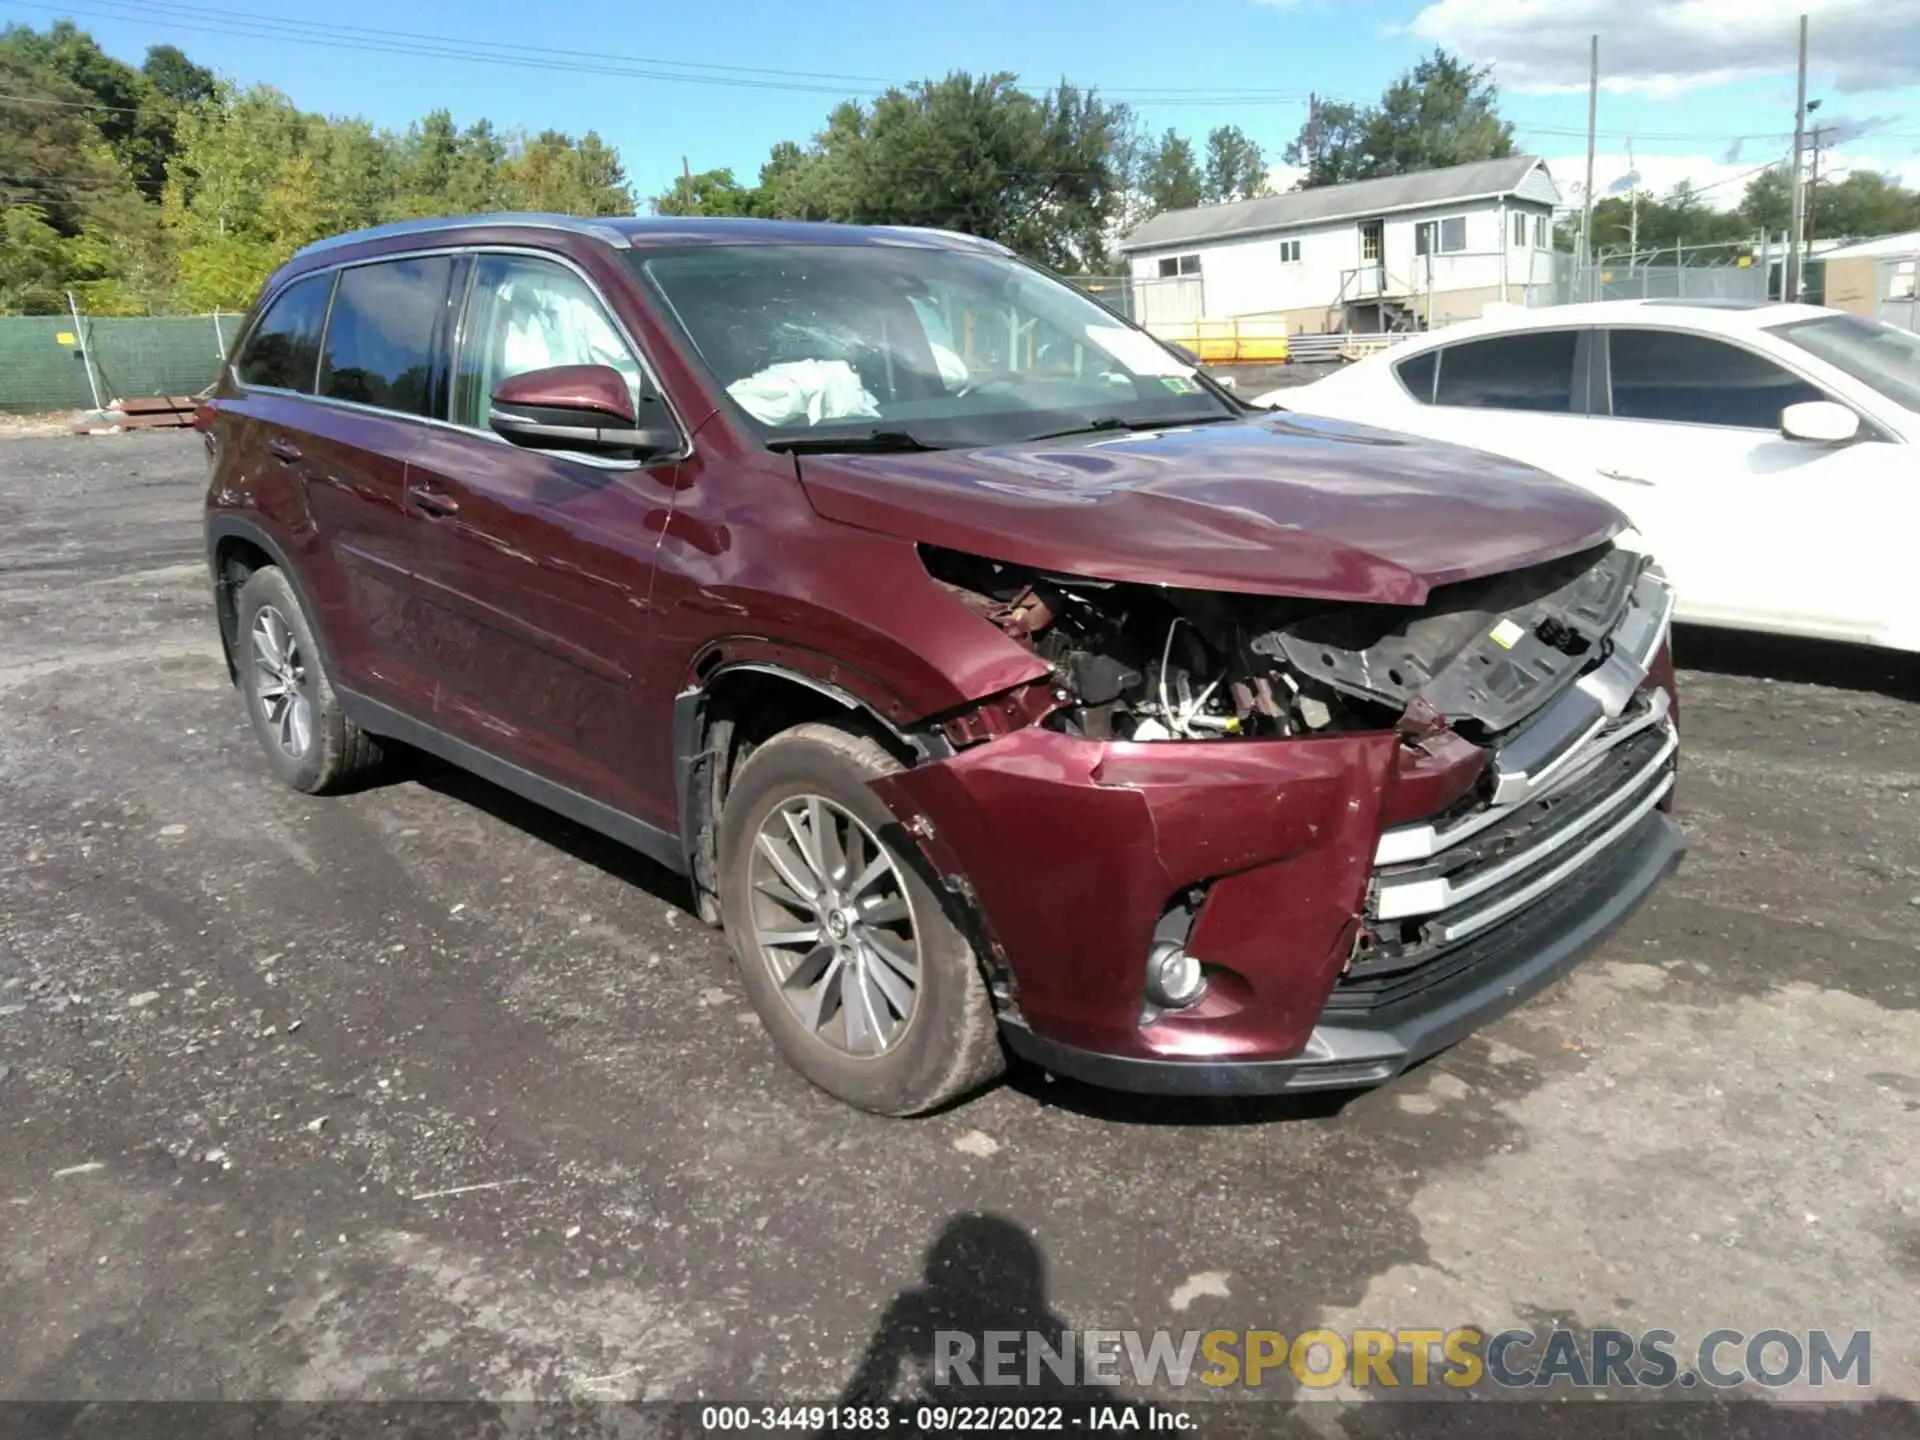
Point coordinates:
[(421, 1092)]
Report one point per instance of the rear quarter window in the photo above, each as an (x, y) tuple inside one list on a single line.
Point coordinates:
[(283, 349), (1416, 374)]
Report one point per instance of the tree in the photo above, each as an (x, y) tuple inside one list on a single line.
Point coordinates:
[(1441, 112), (1236, 170), (1861, 203), (970, 153), (1170, 179), (553, 171), (176, 78), (711, 192), (1767, 203), (1331, 146), (33, 262)]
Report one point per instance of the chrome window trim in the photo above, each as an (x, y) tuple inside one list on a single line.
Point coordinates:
[(1408, 899), (476, 250)]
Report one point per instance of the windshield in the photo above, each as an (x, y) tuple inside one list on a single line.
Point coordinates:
[(1874, 353), (924, 346)]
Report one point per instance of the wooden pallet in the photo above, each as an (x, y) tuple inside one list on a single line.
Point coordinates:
[(145, 412)]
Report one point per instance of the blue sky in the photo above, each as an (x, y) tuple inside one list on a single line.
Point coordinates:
[(1699, 88)]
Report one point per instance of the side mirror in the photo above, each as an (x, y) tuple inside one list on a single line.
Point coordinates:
[(1183, 352), (574, 407), (1819, 422)]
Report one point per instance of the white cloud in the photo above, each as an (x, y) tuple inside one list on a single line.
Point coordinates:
[(1667, 46)]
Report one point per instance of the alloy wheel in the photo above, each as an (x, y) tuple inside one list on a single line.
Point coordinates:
[(834, 925), (281, 682)]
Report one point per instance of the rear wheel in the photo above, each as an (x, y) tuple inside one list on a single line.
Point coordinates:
[(864, 982), (296, 715)]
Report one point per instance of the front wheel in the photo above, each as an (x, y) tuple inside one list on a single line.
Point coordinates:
[(866, 985)]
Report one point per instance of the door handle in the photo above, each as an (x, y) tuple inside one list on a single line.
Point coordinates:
[(433, 502), (1624, 478), (283, 450)]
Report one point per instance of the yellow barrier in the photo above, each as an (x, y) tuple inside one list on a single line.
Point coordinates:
[(1230, 342)]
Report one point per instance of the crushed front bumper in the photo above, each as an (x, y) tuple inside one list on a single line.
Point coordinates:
[(1344, 936), (1362, 1053)]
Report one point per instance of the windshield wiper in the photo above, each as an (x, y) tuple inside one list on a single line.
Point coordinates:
[(1113, 422), (896, 441)]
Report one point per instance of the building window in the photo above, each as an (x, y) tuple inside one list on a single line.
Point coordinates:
[(1172, 266), (1539, 232), (1370, 240), (1423, 234), (1453, 235), (1289, 252), (1520, 230)]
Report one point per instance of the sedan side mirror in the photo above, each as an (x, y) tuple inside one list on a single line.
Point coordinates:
[(1819, 422), (575, 407)]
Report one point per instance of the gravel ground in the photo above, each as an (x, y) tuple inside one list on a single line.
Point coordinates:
[(423, 1093)]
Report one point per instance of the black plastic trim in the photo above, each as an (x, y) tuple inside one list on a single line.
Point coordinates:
[(1357, 1055), (237, 527), (650, 840)]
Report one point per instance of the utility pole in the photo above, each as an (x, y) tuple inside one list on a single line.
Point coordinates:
[(686, 187), (1586, 211), (1633, 212), (1313, 131), (1790, 276), (1813, 182)]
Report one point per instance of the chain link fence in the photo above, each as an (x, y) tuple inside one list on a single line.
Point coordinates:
[(58, 362)]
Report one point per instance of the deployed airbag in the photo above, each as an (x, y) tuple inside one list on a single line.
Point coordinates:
[(809, 390)]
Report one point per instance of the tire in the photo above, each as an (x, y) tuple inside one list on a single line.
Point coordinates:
[(860, 1044), (324, 752)]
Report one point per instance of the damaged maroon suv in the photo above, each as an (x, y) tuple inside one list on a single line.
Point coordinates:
[(995, 679)]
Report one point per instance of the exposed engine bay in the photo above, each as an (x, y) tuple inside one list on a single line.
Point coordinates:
[(1151, 663)]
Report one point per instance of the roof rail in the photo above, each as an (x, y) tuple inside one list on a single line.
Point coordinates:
[(573, 224)]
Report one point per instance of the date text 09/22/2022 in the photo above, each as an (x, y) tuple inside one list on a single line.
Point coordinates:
[(931, 1419)]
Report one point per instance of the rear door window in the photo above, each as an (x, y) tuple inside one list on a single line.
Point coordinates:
[(384, 331), (284, 349), (1697, 380), (1530, 370)]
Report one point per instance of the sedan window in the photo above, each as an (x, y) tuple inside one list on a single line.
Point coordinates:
[(1530, 370), (1871, 351), (1416, 373), (1694, 379)]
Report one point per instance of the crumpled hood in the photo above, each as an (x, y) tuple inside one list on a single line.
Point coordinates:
[(1271, 505)]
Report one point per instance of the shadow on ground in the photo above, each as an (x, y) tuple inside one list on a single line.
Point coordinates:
[(1893, 673)]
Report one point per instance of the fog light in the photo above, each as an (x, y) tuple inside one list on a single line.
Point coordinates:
[(1174, 978)]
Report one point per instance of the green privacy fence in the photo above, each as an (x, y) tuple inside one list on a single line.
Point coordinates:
[(52, 362)]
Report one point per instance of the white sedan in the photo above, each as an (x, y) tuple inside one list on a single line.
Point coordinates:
[(1769, 455)]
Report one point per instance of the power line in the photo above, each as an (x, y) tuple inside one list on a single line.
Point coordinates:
[(403, 42)]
